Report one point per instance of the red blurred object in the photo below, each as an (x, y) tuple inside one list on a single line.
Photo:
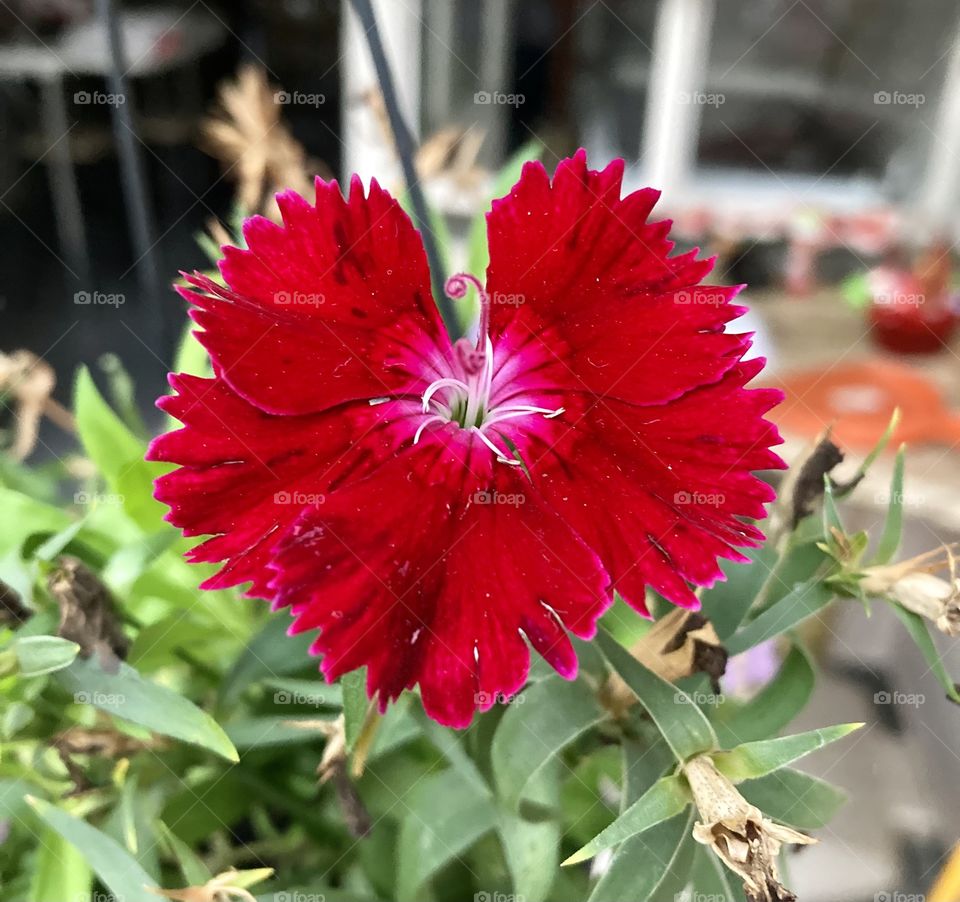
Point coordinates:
[(910, 312)]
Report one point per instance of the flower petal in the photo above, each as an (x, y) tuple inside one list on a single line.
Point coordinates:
[(583, 273), (660, 492), (245, 475), (334, 305), (427, 575)]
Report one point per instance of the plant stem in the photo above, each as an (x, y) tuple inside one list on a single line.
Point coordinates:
[(406, 150)]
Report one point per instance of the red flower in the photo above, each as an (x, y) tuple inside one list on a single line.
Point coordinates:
[(430, 506)]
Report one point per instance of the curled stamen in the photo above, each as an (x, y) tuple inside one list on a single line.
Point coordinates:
[(434, 419), (438, 384), (456, 288)]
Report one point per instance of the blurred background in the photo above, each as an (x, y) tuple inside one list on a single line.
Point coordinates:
[(813, 146)]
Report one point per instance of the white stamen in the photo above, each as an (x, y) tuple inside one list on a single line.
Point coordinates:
[(500, 454)]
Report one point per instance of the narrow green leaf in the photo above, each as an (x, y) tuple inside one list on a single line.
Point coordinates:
[(877, 449), (537, 726), (532, 848), (893, 527), (271, 653), (782, 699), (355, 703), (796, 606), (195, 872), (920, 633), (449, 744), (261, 732), (128, 695), (664, 800), (831, 516), (683, 725), (727, 603), (444, 816), (37, 655), (639, 862), (794, 798), (118, 454), (117, 869), (60, 871), (756, 759), (652, 856)]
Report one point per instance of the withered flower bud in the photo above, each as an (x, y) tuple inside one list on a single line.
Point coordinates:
[(738, 833)]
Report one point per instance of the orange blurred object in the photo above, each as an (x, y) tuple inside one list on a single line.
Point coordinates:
[(858, 399)]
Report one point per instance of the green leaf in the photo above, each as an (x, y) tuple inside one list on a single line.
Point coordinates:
[(260, 732), (195, 872), (60, 871), (532, 848), (128, 695), (119, 871), (355, 704), (782, 699), (271, 653), (682, 724), (756, 759), (727, 603), (664, 800), (877, 450), (831, 516), (920, 633), (638, 863), (37, 655), (652, 856), (794, 798), (118, 454), (449, 744), (444, 816), (24, 516), (796, 606), (893, 527), (536, 727)]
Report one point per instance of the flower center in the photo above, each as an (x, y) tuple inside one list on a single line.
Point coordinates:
[(464, 397)]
